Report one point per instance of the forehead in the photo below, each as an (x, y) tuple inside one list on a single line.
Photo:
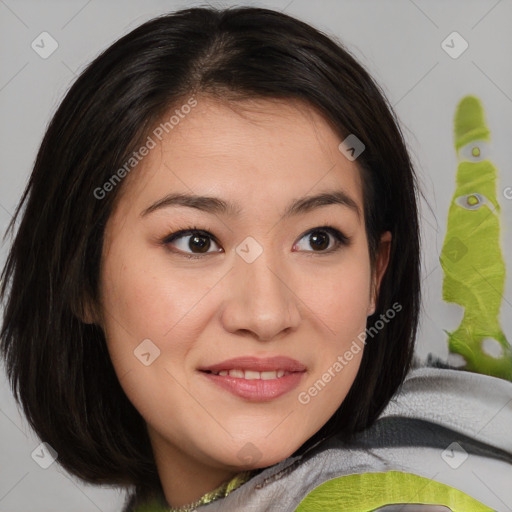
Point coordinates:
[(247, 151)]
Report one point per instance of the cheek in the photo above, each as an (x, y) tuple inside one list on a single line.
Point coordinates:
[(141, 301), (340, 297), (143, 296)]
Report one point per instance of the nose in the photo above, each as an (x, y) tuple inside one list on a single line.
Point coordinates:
[(261, 301)]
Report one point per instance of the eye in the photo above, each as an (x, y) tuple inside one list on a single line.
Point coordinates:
[(475, 151), (320, 239), (197, 241)]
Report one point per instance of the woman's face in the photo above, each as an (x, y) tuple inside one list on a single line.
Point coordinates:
[(229, 340)]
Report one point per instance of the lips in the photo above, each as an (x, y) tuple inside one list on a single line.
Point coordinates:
[(254, 379), (254, 364), (252, 375)]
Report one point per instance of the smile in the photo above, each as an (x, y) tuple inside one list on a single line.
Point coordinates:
[(252, 375), (256, 379)]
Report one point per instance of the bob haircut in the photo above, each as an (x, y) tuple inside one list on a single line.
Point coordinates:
[(58, 365)]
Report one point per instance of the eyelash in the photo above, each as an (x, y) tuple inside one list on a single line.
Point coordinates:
[(340, 240)]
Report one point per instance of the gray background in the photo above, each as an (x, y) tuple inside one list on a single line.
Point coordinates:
[(398, 41)]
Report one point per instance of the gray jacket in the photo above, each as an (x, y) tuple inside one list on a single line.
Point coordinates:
[(434, 409), (449, 426)]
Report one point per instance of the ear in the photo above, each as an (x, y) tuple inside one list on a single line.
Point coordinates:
[(381, 264)]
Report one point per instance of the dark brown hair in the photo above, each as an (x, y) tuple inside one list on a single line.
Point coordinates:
[(58, 366)]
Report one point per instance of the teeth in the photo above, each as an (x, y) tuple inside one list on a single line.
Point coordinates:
[(252, 375)]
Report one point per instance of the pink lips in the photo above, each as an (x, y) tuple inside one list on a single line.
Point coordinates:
[(257, 390), (268, 364)]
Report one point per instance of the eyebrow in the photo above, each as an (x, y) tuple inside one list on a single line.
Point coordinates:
[(215, 205)]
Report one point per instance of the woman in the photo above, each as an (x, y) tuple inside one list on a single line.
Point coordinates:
[(218, 260)]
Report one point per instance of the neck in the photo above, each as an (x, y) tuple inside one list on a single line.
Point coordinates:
[(184, 479)]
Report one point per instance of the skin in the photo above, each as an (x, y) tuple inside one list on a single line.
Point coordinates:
[(293, 300)]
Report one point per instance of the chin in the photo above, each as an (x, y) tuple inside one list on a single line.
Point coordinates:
[(256, 455)]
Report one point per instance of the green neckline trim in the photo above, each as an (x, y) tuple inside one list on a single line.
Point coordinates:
[(220, 492)]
